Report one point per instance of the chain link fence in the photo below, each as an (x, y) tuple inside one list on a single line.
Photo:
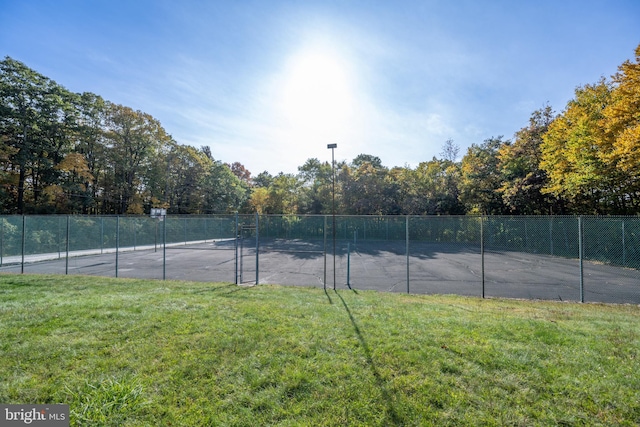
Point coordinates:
[(594, 259)]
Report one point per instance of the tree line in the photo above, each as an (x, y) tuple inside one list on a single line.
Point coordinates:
[(64, 152), (76, 153)]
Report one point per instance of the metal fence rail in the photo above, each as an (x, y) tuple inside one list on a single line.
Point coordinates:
[(549, 257)]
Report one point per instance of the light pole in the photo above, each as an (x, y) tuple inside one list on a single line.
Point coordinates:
[(333, 209)]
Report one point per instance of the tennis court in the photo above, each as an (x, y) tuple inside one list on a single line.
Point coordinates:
[(428, 268)]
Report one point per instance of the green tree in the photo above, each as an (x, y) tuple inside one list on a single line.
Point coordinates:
[(284, 193), (263, 179), (132, 138), (186, 178), (480, 178), (361, 159), (35, 117), (89, 142), (429, 189), (69, 195), (8, 176), (316, 192), (519, 162), (364, 187), (437, 183), (224, 191)]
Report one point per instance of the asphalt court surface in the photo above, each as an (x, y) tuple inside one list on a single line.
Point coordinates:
[(382, 266)]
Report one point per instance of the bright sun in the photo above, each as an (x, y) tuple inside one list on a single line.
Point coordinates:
[(317, 95)]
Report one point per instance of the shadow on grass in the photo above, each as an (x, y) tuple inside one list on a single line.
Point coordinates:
[(224, 290), (393, 417), (328, 296)]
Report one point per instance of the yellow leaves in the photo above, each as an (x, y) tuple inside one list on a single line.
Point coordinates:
[(365, 169), (259, 199), (54, 191), (621, 121), (56, 194), (75, 163), (592, 150), (572, 151), (157, 203), (627, 147), (553, 159), (135, 206)]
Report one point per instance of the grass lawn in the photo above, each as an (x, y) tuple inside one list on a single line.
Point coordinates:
[(152, 353)]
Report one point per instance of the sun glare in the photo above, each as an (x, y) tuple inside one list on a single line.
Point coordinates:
[(317, 95)]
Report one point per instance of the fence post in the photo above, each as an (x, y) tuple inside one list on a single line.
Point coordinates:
[(24, 228), (101, 235), (348, 263), (364, 228), (551, 234), (257, 247), (581, 255), (387, 226), (624, 247), (324, 252), (1, 239), (241, 253), (117, 241), (164, 247), (407, 248), (236, 249), (482, 253), (59, 238), (66, 261)]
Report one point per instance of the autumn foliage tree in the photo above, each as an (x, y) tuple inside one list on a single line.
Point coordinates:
[(621, 123), (591, 151), (62, 152), (522, 179)]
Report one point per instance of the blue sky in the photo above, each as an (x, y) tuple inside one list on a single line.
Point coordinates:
[(271, 83)]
